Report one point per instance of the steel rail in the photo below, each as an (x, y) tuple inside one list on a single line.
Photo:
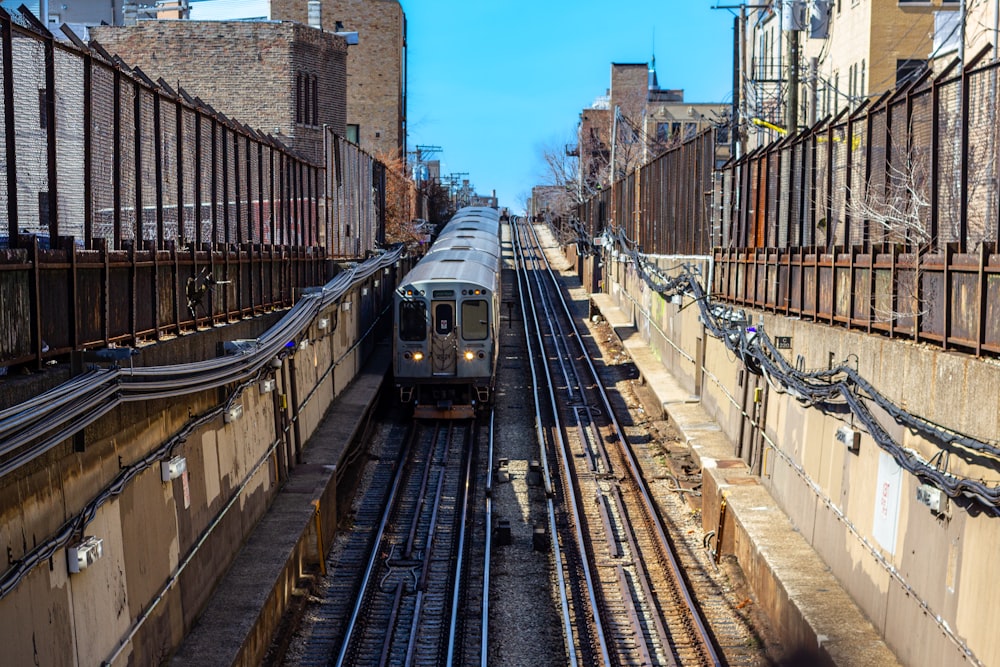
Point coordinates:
[(571, 499), (540, 438), (377, 540), (644, 493), (463, 514), (485, 621)]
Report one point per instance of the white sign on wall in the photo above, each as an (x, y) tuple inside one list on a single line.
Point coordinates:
[(887, 491)]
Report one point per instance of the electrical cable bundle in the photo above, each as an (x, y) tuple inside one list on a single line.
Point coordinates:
[(840, 389), (32, 428)]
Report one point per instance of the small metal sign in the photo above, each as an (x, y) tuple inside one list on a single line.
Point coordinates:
[(783, 342)]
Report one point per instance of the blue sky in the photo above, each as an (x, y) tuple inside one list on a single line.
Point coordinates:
[(493, 83)]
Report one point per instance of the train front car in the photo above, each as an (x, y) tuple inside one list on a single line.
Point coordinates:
[(447, 319)]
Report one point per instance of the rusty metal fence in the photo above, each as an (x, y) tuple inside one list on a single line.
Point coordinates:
[(664, 206), (129, 210), (884, 219)]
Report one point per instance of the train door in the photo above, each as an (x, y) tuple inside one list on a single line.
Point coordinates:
[(444, 344)]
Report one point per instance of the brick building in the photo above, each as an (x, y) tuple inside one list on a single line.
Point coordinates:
[(376, 67), (594, 145), (649, 120), (860, 48), (282, 78)]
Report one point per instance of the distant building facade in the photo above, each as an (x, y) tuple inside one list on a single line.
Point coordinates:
[(376, 67), (282, 78), (643, 119), (850, 50), (594, 146)]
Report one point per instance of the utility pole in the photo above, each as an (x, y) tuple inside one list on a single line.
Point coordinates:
[(792, 115), (813, 78), (743, 76), (740, 75), (611, 175), (793, 25)]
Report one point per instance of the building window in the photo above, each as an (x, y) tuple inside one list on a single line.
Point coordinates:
[(315, 101), (352, 133), (306, 99), (299, 94), (43, 109), (908, 69), (43, 210)]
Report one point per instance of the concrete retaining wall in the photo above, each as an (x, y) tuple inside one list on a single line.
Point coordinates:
[(166, 544), (923, 579)]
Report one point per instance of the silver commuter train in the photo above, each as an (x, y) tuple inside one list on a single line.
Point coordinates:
[(447, 317)]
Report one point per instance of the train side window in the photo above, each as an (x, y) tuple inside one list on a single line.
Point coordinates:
[(412, 320), (475, 320), (444, 319)]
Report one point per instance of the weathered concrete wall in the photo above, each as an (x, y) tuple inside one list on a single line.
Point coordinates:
[(166, 545), (923, 579)]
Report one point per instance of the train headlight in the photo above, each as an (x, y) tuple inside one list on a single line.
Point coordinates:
[(417, 356), (469, 355)]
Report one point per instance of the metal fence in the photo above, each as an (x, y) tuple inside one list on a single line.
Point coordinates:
[(129, 210), (664, 206), (883, 219)]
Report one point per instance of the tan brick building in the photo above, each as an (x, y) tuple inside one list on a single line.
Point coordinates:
[(376, 67), (282, 78), (861, 48)]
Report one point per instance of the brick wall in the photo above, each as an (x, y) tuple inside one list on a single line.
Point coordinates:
[(245, 70), (376, 85)]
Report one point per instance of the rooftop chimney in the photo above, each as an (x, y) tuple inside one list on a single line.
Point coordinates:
[(315, 18)]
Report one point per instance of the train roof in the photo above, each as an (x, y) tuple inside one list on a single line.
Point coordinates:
[(449, 268), (481, 241), (472, 226), (477, 210)]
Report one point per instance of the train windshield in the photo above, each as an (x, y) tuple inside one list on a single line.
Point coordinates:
[(475, 320), (412, 320)]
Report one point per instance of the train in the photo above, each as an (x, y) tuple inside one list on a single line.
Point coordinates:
[(446, 320)]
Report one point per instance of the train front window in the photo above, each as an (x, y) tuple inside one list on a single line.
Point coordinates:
[(412, 320), (475, 320), (444, 319)]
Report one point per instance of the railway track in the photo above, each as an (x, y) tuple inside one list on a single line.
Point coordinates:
[(627, 602), (408, 589), (606, 587)]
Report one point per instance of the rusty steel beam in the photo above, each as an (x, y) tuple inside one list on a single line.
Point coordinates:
[(227, 235), (214, 188)]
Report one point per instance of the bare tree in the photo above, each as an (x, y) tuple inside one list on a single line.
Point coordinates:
[(562, 177), (400, 198), (897, 212)]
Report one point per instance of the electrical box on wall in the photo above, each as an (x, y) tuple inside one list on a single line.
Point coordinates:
[(81, 556), (324, 323), (266, 385), (849, 438), (234, 412), (173, 468), (932, 497)]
